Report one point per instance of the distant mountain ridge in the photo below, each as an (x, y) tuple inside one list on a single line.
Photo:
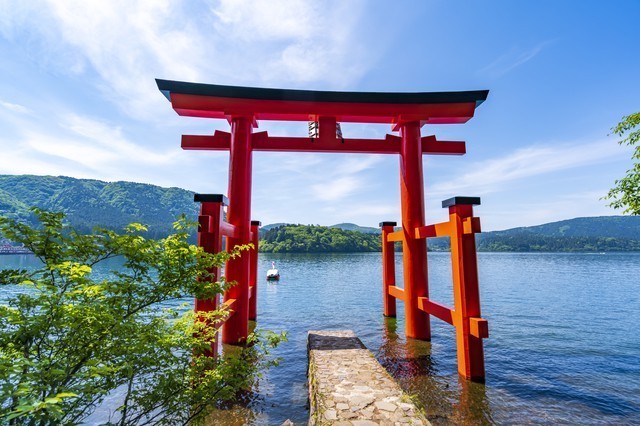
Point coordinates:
[(600, 226), (597, 226), (88, 202), (357, 228), (584, 234)]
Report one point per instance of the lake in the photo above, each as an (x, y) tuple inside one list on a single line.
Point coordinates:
[(563, 345)]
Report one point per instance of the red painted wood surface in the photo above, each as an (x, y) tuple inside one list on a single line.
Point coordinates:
[(261, 141), (210, 240), (466, 295), (224, 108), (388, 272), (414, 250), (466, 315), (253, 273), (236, 328)]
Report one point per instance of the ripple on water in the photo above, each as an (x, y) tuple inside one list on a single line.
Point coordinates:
[(562, 346)]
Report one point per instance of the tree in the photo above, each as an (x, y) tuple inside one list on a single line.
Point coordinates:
[(626, 193), (72, 336)]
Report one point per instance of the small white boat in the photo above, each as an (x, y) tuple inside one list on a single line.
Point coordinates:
[(273, 274)]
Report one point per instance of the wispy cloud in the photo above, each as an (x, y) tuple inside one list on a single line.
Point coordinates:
[(14, 107), (344, 178), (552, 208), (294, 41), (337, 188), (126, 44), (513, 59), (84, 147), (376, 211), (492, 175)]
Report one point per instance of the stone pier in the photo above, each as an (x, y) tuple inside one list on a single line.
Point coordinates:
[(347, 385)]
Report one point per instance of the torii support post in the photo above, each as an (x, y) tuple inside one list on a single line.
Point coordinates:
[(417, 323), (236, 329), (388, 269), (406, 112), (210, 239), (253, 271), (470, 327)]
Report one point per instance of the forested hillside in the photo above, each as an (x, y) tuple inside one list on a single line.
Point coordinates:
[(526, 242), (587, 234), (602, 226), (582, 234), (317, 239), (88, 203)]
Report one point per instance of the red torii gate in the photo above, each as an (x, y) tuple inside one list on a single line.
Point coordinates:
[(242, 107)]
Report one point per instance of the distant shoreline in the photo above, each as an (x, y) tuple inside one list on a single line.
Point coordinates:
[(8, 250), (447, 251)]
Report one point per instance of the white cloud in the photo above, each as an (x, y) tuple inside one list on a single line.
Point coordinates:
[(375, 212), (14, 107), (513, 59), (552, 208), (286, 163), (357, 163), (271, 19), (492, 175), (336, 189), (112, 142), (87, 148), (343, 177), (129, 43), (294, 41)]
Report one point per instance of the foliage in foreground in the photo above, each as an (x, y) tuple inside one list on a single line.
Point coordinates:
[(71, 336), (626, 193)]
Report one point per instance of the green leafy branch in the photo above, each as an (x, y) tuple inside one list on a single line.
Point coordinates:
[(70, 337)]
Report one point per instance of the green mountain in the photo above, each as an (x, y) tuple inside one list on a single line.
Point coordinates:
[(357, 228), (88, 203), (265, 228), (602, 226), (583, 234)]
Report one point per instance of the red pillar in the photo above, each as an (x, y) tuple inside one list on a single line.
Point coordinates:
[(210, 239), (253, 271), (414, 250), (470, 327), (236, 328), (388, 269)]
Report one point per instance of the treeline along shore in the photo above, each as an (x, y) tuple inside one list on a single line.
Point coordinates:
[(89, 203), (321, 239), (317, 239)]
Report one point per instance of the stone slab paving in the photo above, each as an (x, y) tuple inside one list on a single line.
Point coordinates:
[(348, 386)]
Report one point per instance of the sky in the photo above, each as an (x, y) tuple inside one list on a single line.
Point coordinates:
[(78, 98)]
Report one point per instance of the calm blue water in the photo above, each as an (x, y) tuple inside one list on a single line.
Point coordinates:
[(564, 345)]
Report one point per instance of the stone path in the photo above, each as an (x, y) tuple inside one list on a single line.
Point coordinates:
[(347, 385)]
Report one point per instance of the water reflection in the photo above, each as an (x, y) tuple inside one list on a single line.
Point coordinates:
[(473, 405), (248, 408), (444, 399)]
